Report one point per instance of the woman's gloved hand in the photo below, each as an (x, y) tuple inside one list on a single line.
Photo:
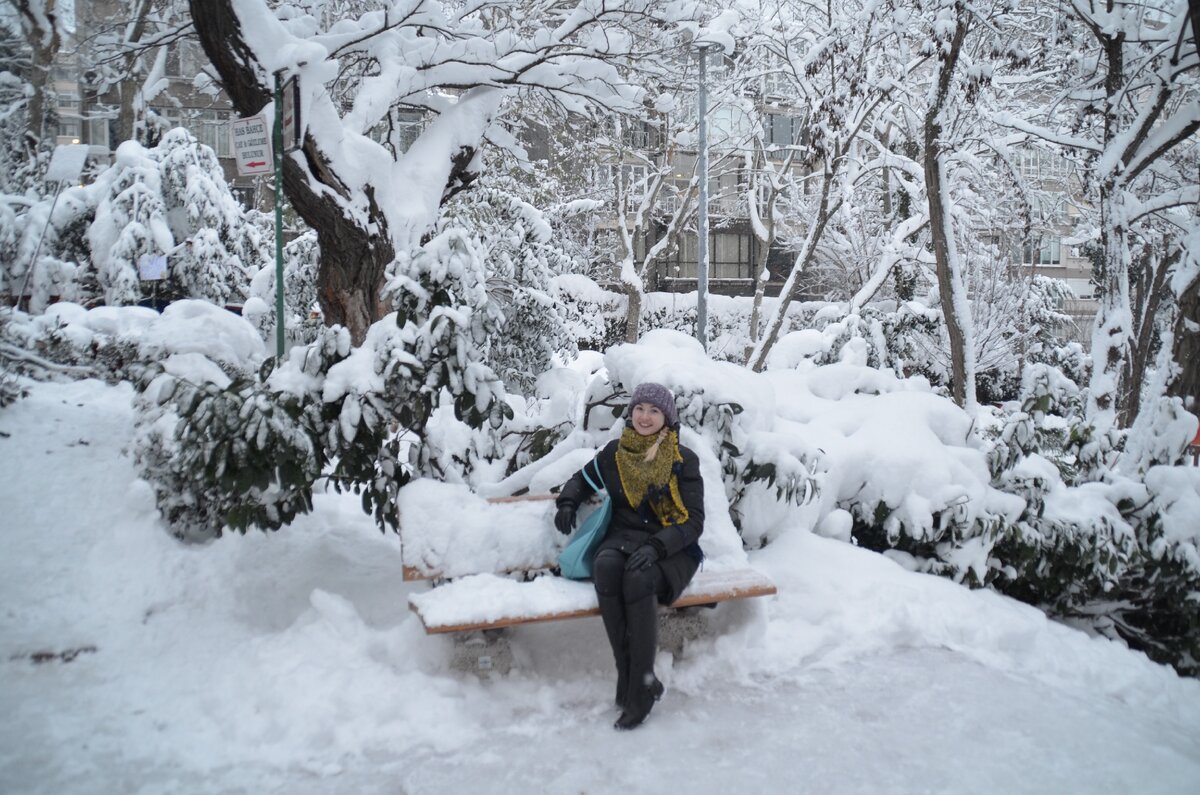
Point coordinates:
[(564, 520), (642, 558)]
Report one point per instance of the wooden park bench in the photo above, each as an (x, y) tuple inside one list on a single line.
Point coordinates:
[(495, 569)]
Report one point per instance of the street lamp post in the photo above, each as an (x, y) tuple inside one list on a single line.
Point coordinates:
[(702, 210)]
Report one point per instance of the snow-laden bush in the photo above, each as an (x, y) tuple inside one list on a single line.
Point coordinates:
[(170, 200), (11, 389), (248, 450), (302, 315), (516, 246), (118, 343), (1110, 551), (222, 243), (907, 337)]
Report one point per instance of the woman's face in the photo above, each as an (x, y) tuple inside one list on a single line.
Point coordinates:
[(648, 419)]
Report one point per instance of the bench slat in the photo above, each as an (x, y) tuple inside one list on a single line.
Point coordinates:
[(708, 587)]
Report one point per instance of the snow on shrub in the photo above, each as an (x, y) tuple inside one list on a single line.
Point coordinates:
[(1031, 502), (1097, 543), (907, 337), (169, 200), (302, 317), (249, 451), (520, 259)]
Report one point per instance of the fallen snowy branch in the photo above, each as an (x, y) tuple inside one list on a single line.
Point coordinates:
[(13, 353)]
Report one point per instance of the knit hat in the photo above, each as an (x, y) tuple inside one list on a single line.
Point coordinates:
[(659, 396)]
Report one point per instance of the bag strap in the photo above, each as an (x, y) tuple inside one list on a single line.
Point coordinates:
[(590, 482)]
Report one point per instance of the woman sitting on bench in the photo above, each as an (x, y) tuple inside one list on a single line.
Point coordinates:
[(650, 551)]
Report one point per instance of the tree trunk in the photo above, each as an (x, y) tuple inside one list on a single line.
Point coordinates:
[(760, 290), (129, 87), (1187, 348), (950, 289), (1154, 312), (355, 247), (633, 313), (1111, 332), (44, 45)]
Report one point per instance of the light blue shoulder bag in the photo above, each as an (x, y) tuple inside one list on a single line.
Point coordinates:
[(575, 562)]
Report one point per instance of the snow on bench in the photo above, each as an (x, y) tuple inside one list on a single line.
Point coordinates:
[(490, 601), (448, 531)]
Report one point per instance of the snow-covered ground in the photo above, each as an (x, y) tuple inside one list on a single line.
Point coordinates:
[(289, 663)]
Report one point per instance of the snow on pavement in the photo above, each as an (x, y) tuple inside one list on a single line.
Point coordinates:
[(288, 662)]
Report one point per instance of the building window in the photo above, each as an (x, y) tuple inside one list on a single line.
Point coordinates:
[(98, 132), (399, 130), (782, 130), (730, 256), (244, 195), (211, 128), (632, 179), (641, 135), (1037, 164), (1044, 251), (409, 126), (776, 82), (69, 128), (182, 60)]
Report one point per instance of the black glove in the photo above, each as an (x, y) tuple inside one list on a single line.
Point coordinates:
[(642, 558), (564, 520)]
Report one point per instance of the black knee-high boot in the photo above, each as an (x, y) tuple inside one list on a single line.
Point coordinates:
[(607, 573), (641, 616), (612, 611)]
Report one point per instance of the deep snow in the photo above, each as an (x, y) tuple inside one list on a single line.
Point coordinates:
[(289, 663)]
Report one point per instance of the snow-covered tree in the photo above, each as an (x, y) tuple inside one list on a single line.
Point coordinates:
[(130, 224), (517, 248), (826, 62), (126, 47), (222, 244), (41, 26), (1127, 111), (302, 322), (456, 62)]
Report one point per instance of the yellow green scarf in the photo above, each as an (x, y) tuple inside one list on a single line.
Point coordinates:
[(646, 466)]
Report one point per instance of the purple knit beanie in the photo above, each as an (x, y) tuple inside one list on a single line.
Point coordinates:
[(656, 395)]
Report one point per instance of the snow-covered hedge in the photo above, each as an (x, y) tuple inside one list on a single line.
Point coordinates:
[(1029, 499), (170, 200), (907, 337), (1101, 541)]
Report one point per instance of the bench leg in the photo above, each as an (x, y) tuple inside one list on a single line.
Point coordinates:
[(482, 652), (676, 627)]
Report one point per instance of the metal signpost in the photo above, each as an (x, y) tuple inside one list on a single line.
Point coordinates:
[(287, 136), (259, 147)]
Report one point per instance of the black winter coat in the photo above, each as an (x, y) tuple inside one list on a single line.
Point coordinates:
[(630, 527)]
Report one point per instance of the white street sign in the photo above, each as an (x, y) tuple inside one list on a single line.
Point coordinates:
[(252, 145)]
